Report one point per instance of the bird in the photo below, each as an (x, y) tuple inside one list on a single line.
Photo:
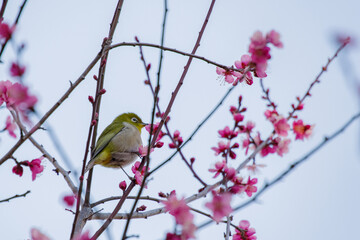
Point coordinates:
[(118, 145)]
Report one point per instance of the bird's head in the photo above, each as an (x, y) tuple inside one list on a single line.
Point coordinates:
[(131, 118)]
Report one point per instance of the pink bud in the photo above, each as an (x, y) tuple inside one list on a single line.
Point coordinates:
[(147, 82), (95, 77), (141, 208), (93, 122), (102, 91), (122, 185), (137, 39), (192, 160), (161, 194), (69, 200), (81, 178)]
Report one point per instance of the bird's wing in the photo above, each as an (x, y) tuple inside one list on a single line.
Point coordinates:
[(105, 138)]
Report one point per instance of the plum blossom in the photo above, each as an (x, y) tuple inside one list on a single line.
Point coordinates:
[(219, 168), (155, 128), (227, 133), (69, 200), (228, 74), (143, 150), (250, 186), (181, 211), (246, 233), (17, 70), (37, 235), (177, 140), (18, 170), (139, 176), (281, 126), (241, 65), (36, 167), (302, 131), (220, 205), (5, 31), (10, 126), (282, 146)]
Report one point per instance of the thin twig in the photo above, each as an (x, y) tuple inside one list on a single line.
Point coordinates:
[(292, 166), (2, 11), (102, 201), (317, 80), (16, 196), (191, 55)]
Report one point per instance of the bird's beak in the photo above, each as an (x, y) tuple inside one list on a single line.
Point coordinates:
[(144, 124)]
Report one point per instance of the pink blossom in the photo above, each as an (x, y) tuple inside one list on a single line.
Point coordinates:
[(272, 116), (246, 233), (302, 131), (228, 74), (230, 173), (178, 208), (10, 126), (177, 140), (282, 146), (36, 167), (155, 128), (18, 170), (219, 168), (5, 31), (246, 144), (227, 133), (84, 236), (241, 65), (16, 95), (274, 38), (281, 126), (254, 168), (222, 147), (122, 185), (143, 150), (220, 205), (139, 176), (69, 200), (250, 188), (37, 235), (247, 128), (16, 70)]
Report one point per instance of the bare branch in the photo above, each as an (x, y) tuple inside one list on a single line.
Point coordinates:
[(16, 196)]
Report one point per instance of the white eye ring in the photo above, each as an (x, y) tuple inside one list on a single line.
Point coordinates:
[(134, 120)]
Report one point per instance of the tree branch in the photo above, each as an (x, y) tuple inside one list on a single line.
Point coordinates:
[(16, 196)]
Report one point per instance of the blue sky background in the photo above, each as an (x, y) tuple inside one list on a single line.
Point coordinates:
[(319, 200)]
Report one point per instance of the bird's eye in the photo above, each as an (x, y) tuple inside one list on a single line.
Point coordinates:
[(134, 120)]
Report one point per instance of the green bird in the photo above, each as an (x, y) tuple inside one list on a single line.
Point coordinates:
[(118, 145)]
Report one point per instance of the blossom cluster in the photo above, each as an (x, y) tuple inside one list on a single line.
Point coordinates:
[(34, 165), (139, 175), (245, 232), (255, 63), (181, 211)]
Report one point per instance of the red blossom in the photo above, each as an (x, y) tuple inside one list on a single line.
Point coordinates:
[(17, 70), (5, 31), (241, 65), (18, 170), (122, 185), (220, 205), (69, 200), (250, 188), (301, 130)]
